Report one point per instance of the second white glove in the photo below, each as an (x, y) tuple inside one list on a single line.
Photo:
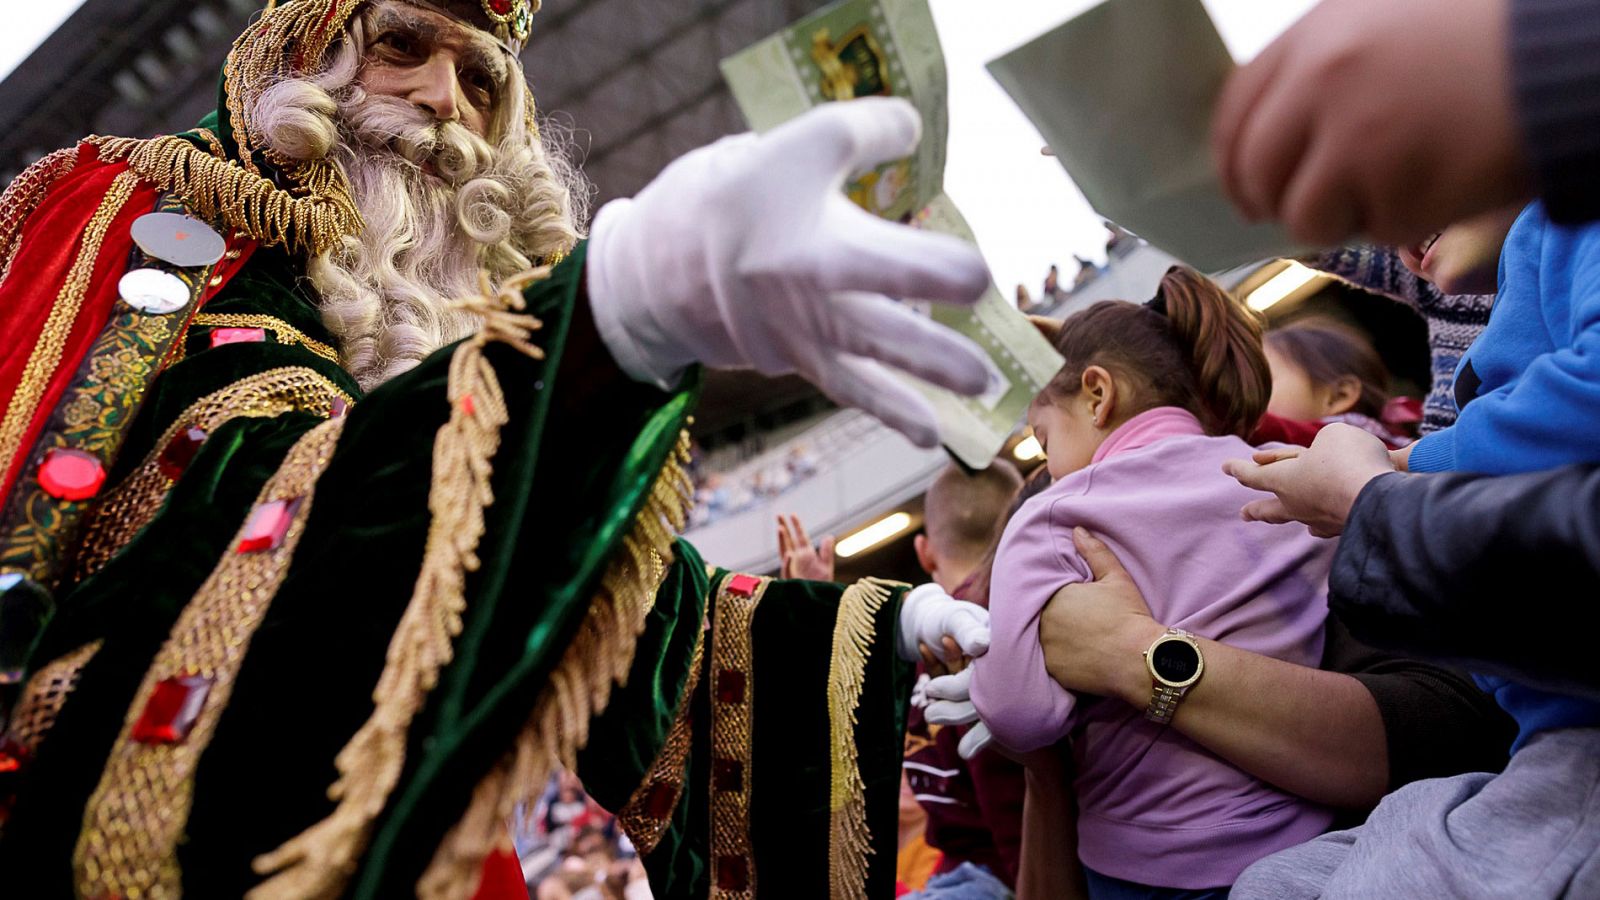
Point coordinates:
[(950, 703), (927, 614)]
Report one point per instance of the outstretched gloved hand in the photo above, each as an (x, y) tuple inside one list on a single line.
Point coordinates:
[(746, 254), (928, 614)]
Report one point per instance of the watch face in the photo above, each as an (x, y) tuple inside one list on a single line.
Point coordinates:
[(1175, 661)]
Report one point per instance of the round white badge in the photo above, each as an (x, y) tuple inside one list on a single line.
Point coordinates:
[(153, 291), (178, 239)]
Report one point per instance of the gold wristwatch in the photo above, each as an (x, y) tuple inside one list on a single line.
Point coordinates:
[(1175, 665)]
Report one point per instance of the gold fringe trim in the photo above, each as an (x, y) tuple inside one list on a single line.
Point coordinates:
[(52, 342), (222, 189), (284, 42), (318, 861), (579, 688), (849, 841)]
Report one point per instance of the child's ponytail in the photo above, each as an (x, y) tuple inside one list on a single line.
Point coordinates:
[(1222, 338), (1193, 347)]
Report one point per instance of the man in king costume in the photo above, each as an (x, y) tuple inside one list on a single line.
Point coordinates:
[(342, 475)]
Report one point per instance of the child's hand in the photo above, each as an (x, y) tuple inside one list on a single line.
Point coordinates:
[(800, 558), (928, 615), (1317, 485), (1402, 458), (948, 661)]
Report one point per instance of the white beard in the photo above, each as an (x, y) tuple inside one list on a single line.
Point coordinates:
[(440, 205), (386, 292)]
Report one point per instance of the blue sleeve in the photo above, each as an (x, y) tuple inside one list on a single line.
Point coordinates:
[(1548, 417)]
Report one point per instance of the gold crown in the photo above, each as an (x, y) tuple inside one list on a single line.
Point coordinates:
[(512, 20)]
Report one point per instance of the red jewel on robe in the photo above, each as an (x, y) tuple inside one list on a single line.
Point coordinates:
[(730, 686), (727, 774), (221, 336), (338, 407), (173, 708), (267, 525), (501, 7), (71, 474), (179, 452), (743, 585), (732, 873), (661, 800)]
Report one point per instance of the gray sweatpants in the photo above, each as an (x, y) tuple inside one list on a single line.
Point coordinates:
[(1532, 832)]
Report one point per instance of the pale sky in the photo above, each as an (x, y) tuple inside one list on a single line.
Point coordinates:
[(1024, 209), (27, 25)]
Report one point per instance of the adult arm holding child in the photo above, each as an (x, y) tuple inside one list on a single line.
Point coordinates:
[(1343, 735)]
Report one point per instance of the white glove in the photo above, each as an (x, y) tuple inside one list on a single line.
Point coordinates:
[(746, 254), (927, 614), (950, 703)]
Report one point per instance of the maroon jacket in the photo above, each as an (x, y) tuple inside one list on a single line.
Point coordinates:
[(974, 806)]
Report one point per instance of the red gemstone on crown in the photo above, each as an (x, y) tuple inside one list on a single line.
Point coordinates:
[(500, 7), (173, 708), (71, 474), (221, 336), (743, 585), (179, 452), (267, 525)]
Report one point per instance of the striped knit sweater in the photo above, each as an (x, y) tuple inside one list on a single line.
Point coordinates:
[(1454, 320)]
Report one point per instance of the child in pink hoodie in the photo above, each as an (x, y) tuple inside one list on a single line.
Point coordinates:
[(1135, 426)]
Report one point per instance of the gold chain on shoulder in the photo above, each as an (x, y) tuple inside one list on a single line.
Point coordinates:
[(218, 188), (213, 142), (46, 355), (137, 815), (286, 333), (130, 506), (849, 841)]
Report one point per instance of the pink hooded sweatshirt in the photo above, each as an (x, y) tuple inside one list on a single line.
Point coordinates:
[(1154, 807)]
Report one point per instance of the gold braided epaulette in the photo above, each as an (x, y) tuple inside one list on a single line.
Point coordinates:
[(247, 202)]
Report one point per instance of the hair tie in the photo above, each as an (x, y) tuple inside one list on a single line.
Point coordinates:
[(1158, 303)]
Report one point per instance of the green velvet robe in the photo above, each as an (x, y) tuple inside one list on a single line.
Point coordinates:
[(575, 465)]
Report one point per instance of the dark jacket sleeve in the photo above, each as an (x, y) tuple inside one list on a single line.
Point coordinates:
[(1555, 65), (1436, 722), (1493, 573)]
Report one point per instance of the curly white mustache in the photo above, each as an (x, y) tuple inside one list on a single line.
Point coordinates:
[(446, 150)]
